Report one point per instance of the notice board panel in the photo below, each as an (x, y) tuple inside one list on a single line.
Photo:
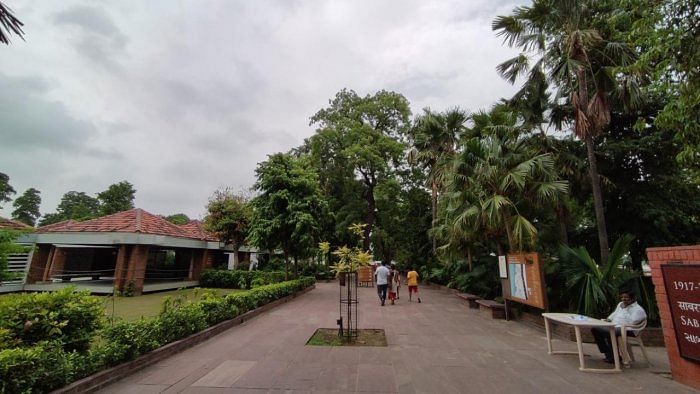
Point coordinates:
[(525, 282), (683, 292)]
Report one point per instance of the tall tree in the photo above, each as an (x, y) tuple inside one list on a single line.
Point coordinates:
[(9, 24), (434, 137), (289, 209), (27, 207), (73, 206), (584, 65), (367, 133), (228, 216), (6, 190), (117, 198)]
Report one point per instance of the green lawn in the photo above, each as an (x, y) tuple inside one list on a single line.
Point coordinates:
[(148, 305)]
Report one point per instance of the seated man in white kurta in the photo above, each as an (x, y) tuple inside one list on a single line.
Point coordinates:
[(629, 313)]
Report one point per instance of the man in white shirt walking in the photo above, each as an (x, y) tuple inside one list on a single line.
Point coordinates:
[(381, 276), (629, 313)]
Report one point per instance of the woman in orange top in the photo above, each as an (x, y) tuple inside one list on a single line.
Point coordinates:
[(412, 282)]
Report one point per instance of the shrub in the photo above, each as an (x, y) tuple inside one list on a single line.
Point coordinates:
[(239, 279), (39, 368), (68, 316)]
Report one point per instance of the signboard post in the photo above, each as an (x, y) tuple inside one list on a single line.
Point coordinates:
[(683, 290), (525, 281)]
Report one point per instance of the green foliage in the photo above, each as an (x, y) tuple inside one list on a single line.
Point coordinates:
[(68, 316), (40, 368), (288, 212), (6, 190), (7, 247), (73, 206), (178, 218), (27, 207), (594, 289), (117, 198), (228, 217), (238, 279)]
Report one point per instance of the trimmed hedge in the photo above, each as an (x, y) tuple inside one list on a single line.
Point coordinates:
[(47, 366), (239, 279), (67, 316)]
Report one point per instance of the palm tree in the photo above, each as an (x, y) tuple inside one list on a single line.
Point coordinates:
[(495, 177), (8, 24), (435, 136), (564, 38)]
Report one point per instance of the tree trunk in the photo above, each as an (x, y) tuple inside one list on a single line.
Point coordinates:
[(296, 268), (499, 249), (597, 201), (235, 256), (562, 218), (434, 208), (370, 217), (286, 265), (470, 259)]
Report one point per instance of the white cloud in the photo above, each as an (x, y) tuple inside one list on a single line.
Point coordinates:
[(182, 98)]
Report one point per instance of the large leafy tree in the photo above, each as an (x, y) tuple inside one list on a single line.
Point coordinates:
[(178, 218), (434, 137), (566, 43), (366, 134), (228, 216), (288, 211), (9, 24), (27, 207), (73, 206), (117, 198), (667, 33), (6, 190)]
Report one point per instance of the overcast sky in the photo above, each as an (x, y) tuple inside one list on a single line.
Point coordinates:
[(181, 98)]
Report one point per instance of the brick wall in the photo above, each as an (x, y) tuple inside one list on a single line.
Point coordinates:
[(684, 371)]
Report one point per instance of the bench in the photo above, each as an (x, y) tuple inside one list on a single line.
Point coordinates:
[(470, 298), (497, 310)]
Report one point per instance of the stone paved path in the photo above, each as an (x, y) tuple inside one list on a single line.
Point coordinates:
[(439, 346)]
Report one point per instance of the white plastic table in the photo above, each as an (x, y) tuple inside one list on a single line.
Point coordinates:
[(578, 321)]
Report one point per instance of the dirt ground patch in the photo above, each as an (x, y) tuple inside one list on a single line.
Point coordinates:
[(365, 337)]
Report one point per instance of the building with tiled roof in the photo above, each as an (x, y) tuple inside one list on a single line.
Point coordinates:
[(132, 249), (9, 224)]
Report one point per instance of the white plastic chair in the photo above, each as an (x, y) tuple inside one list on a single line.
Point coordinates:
[(625, 342)]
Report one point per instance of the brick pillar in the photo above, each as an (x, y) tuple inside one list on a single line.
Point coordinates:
[(120, 268), (136, 272), (683, 370), (201, 258), (58, 262), (40, 259)]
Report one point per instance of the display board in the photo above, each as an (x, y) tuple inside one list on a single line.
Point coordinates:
[(365, 276), (683, 291), (525, 281)]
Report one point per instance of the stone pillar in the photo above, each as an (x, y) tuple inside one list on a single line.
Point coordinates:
[(136, 273), (683, 370), (120, 268), (37, 267)]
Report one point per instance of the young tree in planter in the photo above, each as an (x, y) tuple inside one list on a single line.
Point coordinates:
[(27, 207), (228, 216), (288, 212)]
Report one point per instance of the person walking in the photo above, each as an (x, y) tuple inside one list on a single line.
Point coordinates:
[(412, 282), (397, 279), (381, 276)]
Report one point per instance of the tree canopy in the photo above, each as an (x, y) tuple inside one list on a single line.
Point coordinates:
[(117, 198), (27, 207)]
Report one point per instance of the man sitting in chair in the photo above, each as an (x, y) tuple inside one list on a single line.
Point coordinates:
[(627, 313)]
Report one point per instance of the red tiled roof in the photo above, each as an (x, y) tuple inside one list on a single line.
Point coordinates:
[(13, 224), (131, 221), (196, 230)]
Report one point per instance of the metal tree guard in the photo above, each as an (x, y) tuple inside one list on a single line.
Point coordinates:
[(348, 306)]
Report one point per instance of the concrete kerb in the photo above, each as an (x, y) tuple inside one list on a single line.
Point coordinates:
[(103, 378)]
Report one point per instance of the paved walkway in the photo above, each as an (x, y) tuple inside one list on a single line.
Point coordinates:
[(439, 346)]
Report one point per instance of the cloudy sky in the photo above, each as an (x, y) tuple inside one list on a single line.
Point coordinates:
[(183, 97)]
